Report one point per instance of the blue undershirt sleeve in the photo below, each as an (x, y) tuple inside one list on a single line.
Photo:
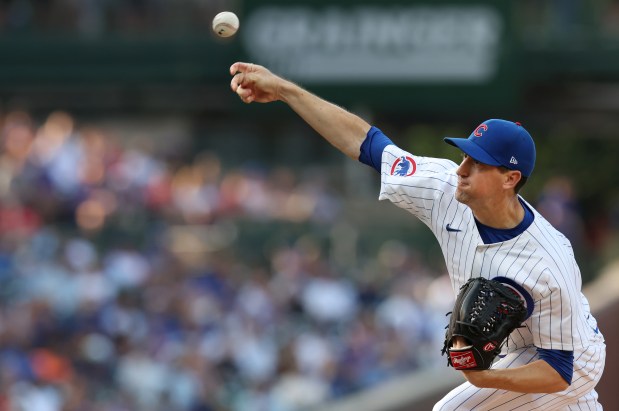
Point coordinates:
[(561, 361), (372, 148)]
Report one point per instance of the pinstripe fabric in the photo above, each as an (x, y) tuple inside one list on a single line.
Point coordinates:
[(541, 259)]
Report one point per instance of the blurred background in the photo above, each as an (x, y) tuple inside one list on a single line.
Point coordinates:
[(165, 247)]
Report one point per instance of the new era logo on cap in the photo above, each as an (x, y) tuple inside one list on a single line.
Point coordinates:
[(499, 143)]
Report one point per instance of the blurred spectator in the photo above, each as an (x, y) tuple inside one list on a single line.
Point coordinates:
[(123, 292), (96, 17), (558, 204)]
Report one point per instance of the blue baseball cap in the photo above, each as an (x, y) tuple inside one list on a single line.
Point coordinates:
[(499, 143)]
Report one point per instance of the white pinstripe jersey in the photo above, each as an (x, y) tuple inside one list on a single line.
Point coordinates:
[(541, 259)]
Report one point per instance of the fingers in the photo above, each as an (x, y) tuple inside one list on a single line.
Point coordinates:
[(246, 95), (236, 82), (241, 67), (240, 78), (240, 86), (240, 70)]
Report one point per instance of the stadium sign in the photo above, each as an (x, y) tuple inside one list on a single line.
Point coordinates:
[(441, 44)]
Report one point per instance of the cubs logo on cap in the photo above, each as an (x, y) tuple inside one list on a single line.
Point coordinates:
[(479, 131), (499, 143)]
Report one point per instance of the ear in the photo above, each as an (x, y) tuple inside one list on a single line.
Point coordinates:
[(512, 177)]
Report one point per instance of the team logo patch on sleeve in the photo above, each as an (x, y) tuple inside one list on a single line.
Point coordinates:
[(404, 166)]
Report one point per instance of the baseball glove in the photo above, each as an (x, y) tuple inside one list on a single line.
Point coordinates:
[(484, 314)]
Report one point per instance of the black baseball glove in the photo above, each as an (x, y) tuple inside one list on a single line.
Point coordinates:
[(485, 313)]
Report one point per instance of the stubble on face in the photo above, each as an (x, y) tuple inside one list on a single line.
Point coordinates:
[(462, 196)]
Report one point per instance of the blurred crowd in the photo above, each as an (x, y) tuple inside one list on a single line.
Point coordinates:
[(95, 17), (122, 287), (133, 278)]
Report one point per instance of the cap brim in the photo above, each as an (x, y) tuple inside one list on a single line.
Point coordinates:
[(472, 150)]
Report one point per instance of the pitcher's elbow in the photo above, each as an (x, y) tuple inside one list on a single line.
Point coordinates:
[(559, 386)]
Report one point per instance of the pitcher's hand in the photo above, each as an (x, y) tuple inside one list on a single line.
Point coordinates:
[(255, 83)]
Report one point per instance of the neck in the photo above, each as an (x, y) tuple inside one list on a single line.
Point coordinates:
[(502, 214)]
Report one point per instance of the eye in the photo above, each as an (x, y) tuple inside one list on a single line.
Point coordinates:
[(465, 156)]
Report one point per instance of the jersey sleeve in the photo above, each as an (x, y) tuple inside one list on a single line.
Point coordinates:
[(372, 148), (559, 321), (416, 184), (561, 361), (554, 322)]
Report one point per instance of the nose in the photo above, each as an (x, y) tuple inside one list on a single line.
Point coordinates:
[(463, 169)]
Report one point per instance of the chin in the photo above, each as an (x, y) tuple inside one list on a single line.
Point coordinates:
[(460, 197)]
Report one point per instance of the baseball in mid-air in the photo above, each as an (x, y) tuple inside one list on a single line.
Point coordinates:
[(225, 24)]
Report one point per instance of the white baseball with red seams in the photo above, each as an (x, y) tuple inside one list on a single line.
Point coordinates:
[(225, 24)]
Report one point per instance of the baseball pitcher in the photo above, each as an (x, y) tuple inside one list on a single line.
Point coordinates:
[(521, 331)]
